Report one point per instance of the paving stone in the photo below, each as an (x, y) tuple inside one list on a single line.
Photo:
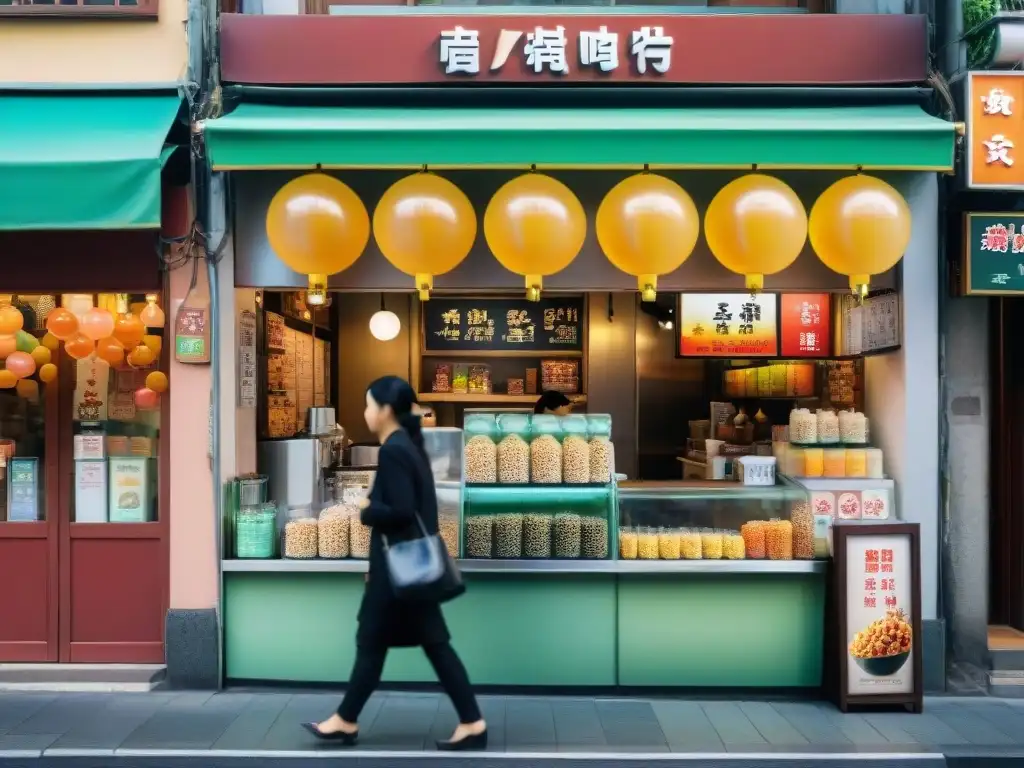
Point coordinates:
[(60, 714), (818, 727), (15, 708), (108, 727), (686, 727), (773, 727), (577, 725), (732, 725), (631, 724), (253, 722), (529, 725)]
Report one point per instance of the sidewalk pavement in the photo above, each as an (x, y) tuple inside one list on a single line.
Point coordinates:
[(206, 730)]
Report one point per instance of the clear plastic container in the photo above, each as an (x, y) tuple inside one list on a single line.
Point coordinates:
[(479, 535), (753, 534), (802, 519), (537, 535), (334, 526), (828, 427), (513, 458), (690, 547), (568, 535), (856, 462), (575, 451), (778, 539), (669, 544), (594, 538), (711, 545), (733, 546), (647, 544), (629, 541), (874, 467), (508, 536), (359, 537), (256, 531), (834, 462), (514, 424), (814, 462), (602, 450), (481, 424), (300, 539), (794, 461)]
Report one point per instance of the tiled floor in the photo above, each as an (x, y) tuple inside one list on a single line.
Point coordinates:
[(269, 722)]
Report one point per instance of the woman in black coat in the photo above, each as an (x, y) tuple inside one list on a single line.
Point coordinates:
[(403, 489)]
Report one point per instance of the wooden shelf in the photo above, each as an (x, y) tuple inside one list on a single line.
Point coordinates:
[(495, 399), (486, 353)]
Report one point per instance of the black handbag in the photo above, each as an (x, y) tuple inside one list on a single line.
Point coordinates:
[(420, 568)]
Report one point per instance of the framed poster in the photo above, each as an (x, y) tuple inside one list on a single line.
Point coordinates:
[(736, 325), (877, 595), (805, 323), (504, 325)]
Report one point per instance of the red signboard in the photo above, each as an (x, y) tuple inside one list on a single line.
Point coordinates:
[(806, 324), (725, 49)]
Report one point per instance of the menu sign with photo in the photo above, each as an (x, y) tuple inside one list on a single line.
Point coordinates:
[(879, 601), (871, 325), (504, 325), (806, 324), (728, 325)]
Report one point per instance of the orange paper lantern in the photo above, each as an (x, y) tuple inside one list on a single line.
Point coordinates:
[(129, 330), (79, 347), (51, 342), (11, 320), (62, 324), (146, 399), (8, 344), (47, 373), (111, 350), (8, 380), (141, 356), (41, 355), (157, 381)]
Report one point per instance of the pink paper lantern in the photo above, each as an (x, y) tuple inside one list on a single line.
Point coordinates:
[(21, 364), (96, 324), (146, 399)]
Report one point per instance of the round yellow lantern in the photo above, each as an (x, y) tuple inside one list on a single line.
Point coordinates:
[(756, 226), (317, 226), (860, 226), (647, 226), (535, 226), (425, 226)]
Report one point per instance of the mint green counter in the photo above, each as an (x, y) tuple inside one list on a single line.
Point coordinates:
[(546, 623)]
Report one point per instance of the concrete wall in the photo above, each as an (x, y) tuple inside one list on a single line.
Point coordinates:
[(96, 51), (968, 409)]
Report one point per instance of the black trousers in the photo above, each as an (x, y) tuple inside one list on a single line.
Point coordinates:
[(447, 666)]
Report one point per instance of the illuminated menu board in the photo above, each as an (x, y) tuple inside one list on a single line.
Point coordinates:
[(728, 325), (503, 325)]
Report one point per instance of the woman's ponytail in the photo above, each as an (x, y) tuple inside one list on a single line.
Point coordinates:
[(412, 424)]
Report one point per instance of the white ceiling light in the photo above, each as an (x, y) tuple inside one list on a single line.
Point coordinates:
[(384, 324)]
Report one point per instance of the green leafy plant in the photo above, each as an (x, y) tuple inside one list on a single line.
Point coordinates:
[(980, 43)]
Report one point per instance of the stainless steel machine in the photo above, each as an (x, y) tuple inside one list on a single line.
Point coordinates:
[(300, 470)]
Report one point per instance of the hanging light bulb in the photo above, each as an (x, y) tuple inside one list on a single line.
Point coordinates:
[(152, 316), (316, 296), (384, 324)]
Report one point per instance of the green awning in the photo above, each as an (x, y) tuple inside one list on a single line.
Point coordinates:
[(83, 161), (257, 136)]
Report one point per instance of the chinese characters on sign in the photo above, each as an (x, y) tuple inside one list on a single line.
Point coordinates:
[(995, 130), (806, 324), (879, 573), (547, 50), (504, 324), (727, 325), (993, 254)]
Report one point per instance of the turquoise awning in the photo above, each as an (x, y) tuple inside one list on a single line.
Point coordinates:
[(900, 137), (83, 161)]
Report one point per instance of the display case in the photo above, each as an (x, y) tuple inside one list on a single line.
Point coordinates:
[(542, 505), (704, 523)]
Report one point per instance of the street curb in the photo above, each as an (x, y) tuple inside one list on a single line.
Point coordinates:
[(66, 758)]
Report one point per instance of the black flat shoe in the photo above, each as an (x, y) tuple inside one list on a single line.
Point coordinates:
[(476, 742), (340, 737)]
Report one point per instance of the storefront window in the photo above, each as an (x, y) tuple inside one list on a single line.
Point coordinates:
[(23, 452), (116, 423)]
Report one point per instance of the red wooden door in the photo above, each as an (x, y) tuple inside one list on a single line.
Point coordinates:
[(113, 576), (29, 605)]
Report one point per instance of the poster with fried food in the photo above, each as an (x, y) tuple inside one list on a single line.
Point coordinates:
[(880, 642)]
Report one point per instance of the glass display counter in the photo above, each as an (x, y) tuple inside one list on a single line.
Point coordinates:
[(698, 524), (557, 591)]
